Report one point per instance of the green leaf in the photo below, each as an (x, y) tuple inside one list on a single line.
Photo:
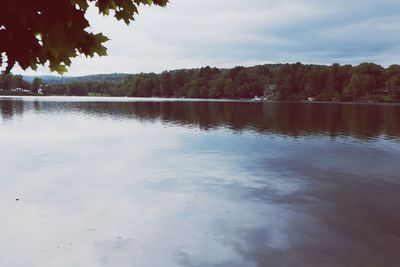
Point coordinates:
[(39, 32)]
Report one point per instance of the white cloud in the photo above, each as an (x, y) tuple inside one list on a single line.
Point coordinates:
[(224, 33)]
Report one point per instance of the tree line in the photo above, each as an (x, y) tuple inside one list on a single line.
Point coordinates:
[(15, 84), (293, 82)]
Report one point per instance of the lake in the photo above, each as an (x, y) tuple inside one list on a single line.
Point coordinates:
[(149, 182)]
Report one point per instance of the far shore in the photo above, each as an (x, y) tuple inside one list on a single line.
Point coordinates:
[(172, 99)]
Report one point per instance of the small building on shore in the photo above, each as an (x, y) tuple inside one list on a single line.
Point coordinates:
[(21, 90)]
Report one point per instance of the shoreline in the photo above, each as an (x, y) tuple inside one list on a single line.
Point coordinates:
[(165, 99)]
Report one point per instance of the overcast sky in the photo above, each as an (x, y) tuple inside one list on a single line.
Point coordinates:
[(226, 33)]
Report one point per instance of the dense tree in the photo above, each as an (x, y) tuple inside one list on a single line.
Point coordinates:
[(9, 82), (229, 89), (38, 31), (6, 82), (393, 80), (315, 82), (394, 86), (392, 70), (166, 84), (275, 81), (36, 84), (354, 87), (217, 86), (372, 76)]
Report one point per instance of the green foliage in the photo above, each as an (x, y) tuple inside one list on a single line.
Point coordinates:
[(354, 88), (392, 70), (393, 80), (229, 89), (393, 84), (6, 82), (217, 87), (36, 32), (275, 81), (9, 82), (372, 76), (37, 82)]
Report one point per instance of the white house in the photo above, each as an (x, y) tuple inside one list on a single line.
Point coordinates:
[(20, 90)]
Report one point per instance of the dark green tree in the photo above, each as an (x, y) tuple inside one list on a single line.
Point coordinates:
[(6, 81), (373, 76), (392, 70), (229, 89), (166, 84), (393, 85), (315, 82), (36, 84), (277, 81), (217, 87), (354, 88)]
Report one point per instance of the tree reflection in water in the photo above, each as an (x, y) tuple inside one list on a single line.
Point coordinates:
[(290, 119)]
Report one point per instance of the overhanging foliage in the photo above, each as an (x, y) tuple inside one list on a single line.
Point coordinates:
[(36, 32)]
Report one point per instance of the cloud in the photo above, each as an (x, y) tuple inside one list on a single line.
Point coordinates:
[(225, 33)]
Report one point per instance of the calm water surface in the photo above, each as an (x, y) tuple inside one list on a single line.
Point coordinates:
[(122, 182)]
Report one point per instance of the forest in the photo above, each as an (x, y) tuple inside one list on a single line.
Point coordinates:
[(288, 82)]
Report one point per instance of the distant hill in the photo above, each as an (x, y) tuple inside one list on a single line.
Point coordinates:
[(49, 79), (46, 78)]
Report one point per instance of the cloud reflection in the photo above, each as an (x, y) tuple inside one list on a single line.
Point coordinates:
[(142, 184)]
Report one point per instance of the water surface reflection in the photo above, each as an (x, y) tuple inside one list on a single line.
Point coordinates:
[(198, 183)]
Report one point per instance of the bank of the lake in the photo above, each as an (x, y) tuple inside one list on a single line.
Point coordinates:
[(27, 96), (284, 82)]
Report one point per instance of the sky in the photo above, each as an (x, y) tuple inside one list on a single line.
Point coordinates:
[(228, 33)]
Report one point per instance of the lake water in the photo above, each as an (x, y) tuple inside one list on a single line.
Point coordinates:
[(123, 182)]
